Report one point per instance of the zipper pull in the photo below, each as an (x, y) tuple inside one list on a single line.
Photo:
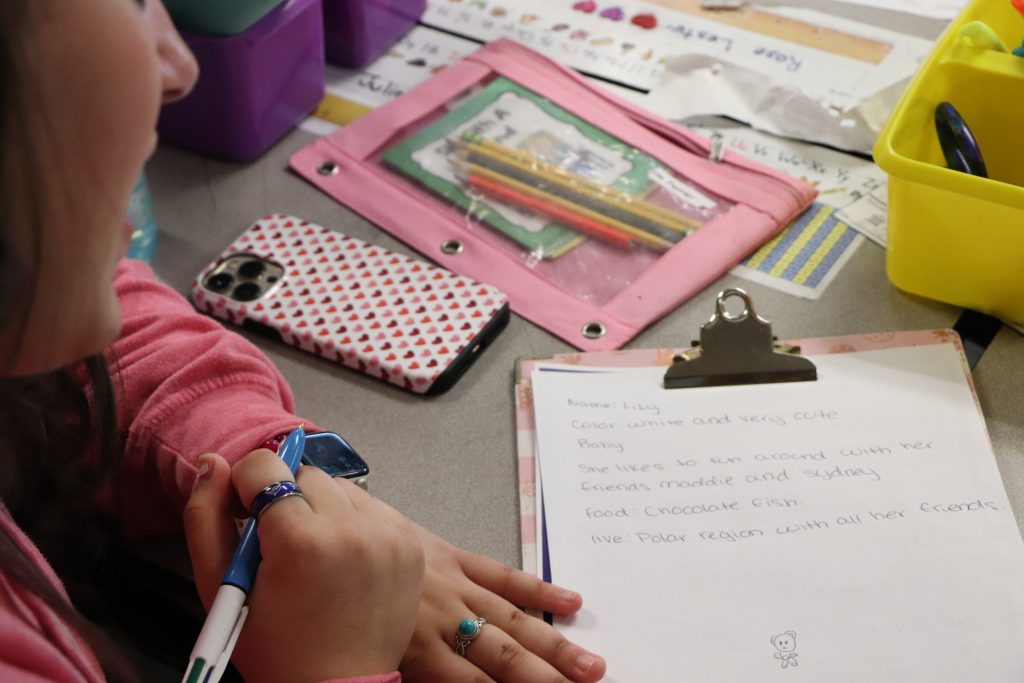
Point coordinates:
[(717, 148)]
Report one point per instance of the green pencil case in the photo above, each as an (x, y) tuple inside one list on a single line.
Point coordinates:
[(218, 18)]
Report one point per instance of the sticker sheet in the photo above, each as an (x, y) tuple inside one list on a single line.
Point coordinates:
[(804, 258)]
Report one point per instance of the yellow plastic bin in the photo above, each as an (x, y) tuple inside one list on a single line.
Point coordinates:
[(952, 236)]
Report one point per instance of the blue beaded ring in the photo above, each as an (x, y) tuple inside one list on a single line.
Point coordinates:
[(467, 632), (271, 494)]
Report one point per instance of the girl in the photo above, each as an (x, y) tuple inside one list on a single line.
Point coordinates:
[(100, 70), (81, 82)]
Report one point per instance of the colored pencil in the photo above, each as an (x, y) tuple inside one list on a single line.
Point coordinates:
[(570, 194), (639, 205), (564, 216), (617, 199), (636, 234)]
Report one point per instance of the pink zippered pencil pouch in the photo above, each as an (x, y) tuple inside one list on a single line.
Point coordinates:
[(594, 216)]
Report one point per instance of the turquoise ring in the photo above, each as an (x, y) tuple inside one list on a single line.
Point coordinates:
[(468, 631)]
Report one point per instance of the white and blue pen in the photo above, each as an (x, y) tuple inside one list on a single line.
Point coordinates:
[(227, 613)]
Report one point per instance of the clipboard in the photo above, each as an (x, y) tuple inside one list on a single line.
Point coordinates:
[(736, 532), (772, 360)]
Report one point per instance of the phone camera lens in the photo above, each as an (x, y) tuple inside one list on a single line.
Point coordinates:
[(251, 269), (247, 291), (219, 282)]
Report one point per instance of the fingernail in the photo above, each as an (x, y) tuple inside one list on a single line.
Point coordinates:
[(585, 662), (568, 595), (203, 473)]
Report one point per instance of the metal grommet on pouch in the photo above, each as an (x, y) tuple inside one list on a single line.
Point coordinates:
[(593, 330), (451, 247), (328, 168)]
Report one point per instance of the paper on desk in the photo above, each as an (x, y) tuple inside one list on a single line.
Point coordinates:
[(805, 257), (800, 73), (804, 111), (935, 9), (869, 214), (417, 56), (850, 529), (843, 181), (620, 42), (898, 61), (840, 98)]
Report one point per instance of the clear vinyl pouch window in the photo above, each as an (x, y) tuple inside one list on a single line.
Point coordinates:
[(583, 210), (593, 215)]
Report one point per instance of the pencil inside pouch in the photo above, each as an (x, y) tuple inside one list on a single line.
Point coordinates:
[(594, 216), (587, 211)]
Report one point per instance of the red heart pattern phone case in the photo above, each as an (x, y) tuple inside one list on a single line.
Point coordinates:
[(382, 313)]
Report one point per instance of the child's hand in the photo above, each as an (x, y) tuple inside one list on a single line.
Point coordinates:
[(337, 591), (513, 647)]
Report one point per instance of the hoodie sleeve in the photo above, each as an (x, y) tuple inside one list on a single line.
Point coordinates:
[(186, 386)]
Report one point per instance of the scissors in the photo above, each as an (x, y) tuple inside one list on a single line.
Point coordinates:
[(958, 143)]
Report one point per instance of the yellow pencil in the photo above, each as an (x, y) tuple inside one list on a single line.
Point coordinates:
[(537, 163), (642, 236), (568, 192), (665, 218)]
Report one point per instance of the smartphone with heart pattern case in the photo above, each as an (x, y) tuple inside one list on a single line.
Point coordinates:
[(402, 320)]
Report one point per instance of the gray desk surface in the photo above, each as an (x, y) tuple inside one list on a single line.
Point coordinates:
[(449, 462)]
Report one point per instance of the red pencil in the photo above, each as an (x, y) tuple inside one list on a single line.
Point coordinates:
[(588, 227)]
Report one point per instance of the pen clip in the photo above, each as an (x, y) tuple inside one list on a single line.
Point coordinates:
[(222, 661)]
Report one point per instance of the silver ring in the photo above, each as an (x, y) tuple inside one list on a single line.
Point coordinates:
[(466, 633), (272, 493)]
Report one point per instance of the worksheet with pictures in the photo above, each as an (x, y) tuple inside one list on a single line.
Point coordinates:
[(849, 529)]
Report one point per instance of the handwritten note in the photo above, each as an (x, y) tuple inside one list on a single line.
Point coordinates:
[(849, 529)]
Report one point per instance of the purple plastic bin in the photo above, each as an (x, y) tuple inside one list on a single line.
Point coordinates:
[(357, 31), (253, 87)]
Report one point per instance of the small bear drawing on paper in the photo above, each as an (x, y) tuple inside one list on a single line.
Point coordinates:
[(785, 644)]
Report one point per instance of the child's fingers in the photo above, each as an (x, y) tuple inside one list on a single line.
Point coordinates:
[(253, 473), (209, 526), (518, 587)]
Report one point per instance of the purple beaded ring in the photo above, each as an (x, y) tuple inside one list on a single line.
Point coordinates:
[(271, 494)]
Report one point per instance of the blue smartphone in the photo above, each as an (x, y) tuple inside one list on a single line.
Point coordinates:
[(336, 457)]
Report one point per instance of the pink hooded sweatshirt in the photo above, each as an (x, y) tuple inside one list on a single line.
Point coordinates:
[(190, 387)]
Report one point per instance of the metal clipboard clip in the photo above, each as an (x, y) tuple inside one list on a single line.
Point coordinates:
[(738, 349)]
